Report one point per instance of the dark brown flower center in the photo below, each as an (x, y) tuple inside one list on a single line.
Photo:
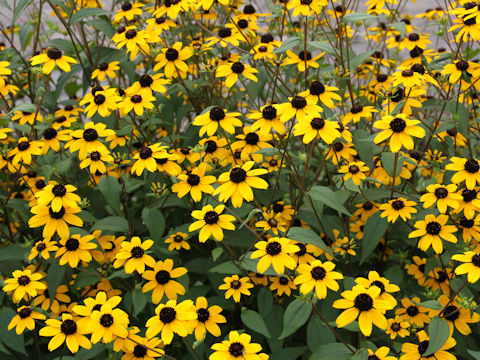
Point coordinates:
[(217, 114), (106, 320), (236, 349), (25, 312), (54, 53), (171, 54), (137, 252), (68, 327), (433, 228), (252, 138), (167, 314), (269, 112), (318, 273), (145, 152), (363, 302), (203, 314), (23, 280), (211, 217), (162, 277), (298, 102), (56, 215), (72, 244), (49, 134), (238, 175), (441, 192), (472, 166), (273, 248), (103, 66), (398, 125), (139, 351)]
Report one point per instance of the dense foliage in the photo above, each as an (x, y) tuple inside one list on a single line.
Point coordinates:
[(226, 180)]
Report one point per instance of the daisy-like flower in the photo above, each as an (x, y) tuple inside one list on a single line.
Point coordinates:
[(432, 230), (172, 318), (413, 40), (458, 67), (272, 221), (365, 305), (237, 183), (57, 196), (231, 71), (226, 36), (344, 246), (322, 94), (104, 70), (313, 127), (195, 183), (53, 57), (467, 170), (358, 112), (134, 40), (128, 11), (236, 286), (96, 160), (266, 119), (276, 252), (354, 170), (365, 210), (137, 103), (374, 279), (25, 319), (43, 248), (107, 323), (340, 150), (250, 142), (397, 326), (47, 303), (160, 280), (24, 285), (103, 103), (177, 241), (417, 269), (88, 140), (306, 8), (443, 195), (137, 347), (67, 330), (400, 130), (282, 285), (439, 279), (24, 150), (52, 137), (147, 84), (146, 158), (54, 221), (416, 351), (298, 106), (457, 316), (24, 117), (470, 266), (398, 207), (413, 313), (217, 117), (172, 60), (408, 79), (238, 346), (95, 303), (133, 255), (75, 249), (318, 276), (207, 319), (211, 221), (381, 354), (304, 59)]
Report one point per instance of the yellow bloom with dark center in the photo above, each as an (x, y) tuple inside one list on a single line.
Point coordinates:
[(43, 248), (211, 221), (232, 71), (467, 170), (365, 210), (52, 137), (358, 112), (54, 221), (374, 279), (134, 40), (160, 280), (217, 117), (276, 252), (250, 142), (319, 276), (54, 305), (137, 102), (380, 354), (147, 84), (413, 313), (416, 351), (146, 158), (106, 70), (306, 8), (456, 315), (443, 195), (207, 319), (177, 241), (322, 94), (236, 286), (282, 285), (354, 170), (432, 230), (397, 326), (237, 183), (172, 60), (313, 127), (128, 11), (53, 57), (226, 36), (266, 119), (272, 222), (96, 160), (470, 266), (344, 246), (400, 130), (341, 150), (107, 323), (25, 319), (273, 163), (88, 140), (133, 255), (24, 150), (263, 51), (365, 305), (26, 117), (137, 347), (167, 162), (413, 40), (439, 279), (298, 106), (304, 59), (57, 195), (67, 330), (417, 269), (458, 67), (92, 304), (24, 285), (172, 318), (75, 249), (398, 207), (103, 103), (194, 182), (238, 346), (408, 79)]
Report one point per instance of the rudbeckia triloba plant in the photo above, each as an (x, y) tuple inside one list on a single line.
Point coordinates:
[(239, 179)]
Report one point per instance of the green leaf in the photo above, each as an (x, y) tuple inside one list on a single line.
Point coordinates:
[(361, 354), (326, 196), (288, 44), (87, 278), (353, 17), (308, 236), (110, 189), (139, 300), (111, 223), (297, 313), (323, 46), (333, 351), (155, 222), (373, 231), (103, 26), (264, 301), (12, 252), (225, 268), (401, 27), (55, 275), (23, 107), (83, 13), (461, 113), (388, 163), (216, 253), (20, 8), (249, 217), (430, 304), (475, 354), (360, 58), (438, 333), (288, 353), (254, 321)]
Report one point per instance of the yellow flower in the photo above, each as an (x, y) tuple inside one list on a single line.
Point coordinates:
[(398, 207), (396, 326), (354, 170), (195, 183), (400, 130), (53, 57), (303, 59), (177, 241), (67, 330), (416, 351), (217, 117), (25, 319), (57, 196), (133, 255), (74, 249), (24, 285), (231, 72), (24, 150), (432, 230), (412, 312), (137, 103), (470, 266), (238, 346), (54, 221), (172, 60), (106, 70), (88, 140), (467, 170), (160, 280), (318, 276), (443, 195), (276, 252), (313, 127), (211, 221), (236, 286), (207, 319), (107, 323)]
